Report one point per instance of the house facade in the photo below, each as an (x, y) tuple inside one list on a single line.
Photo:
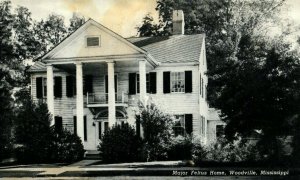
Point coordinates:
[(95, 78)]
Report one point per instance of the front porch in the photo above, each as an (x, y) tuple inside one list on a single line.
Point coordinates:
[(100, 85)]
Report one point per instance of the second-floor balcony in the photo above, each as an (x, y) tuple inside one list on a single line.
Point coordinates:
[(101, 99)]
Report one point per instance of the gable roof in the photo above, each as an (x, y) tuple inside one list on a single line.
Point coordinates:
[(78, 31), (172, 49)]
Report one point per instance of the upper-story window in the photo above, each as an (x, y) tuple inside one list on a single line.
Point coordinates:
[(177, 82), (93, 41), (174, 82)]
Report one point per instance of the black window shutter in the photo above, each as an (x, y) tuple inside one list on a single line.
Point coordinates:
[(88, 84), (132, 83), (153, 82), (58, 86), (138, 126), (70, 86), (200, 84), (84, 128), (39, 87), (75, 124), (58, 123), (116, 83), (106, 84), (166, 80), (188, 123), (188, 81)]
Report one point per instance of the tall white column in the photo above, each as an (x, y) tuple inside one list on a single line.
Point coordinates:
[(50, 92), (79, 100), (111, 94), (142, 71)]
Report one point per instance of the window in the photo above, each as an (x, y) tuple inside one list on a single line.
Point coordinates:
[(70, 86), (183, 124), (44, 87), (92, 41), (179, 125), (220, 131), (177, 82), (147, 83), (58, 123)]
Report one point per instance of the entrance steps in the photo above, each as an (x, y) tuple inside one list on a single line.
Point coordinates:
[(92, 155)]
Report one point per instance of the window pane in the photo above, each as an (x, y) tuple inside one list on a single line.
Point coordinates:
[(177, 82)]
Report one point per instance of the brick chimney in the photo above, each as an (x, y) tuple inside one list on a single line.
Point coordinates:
[(178, 22)]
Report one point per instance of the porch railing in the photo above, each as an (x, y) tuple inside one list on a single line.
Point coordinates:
[(102, 98)]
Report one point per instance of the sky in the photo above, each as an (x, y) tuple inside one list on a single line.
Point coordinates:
[(121, 16)]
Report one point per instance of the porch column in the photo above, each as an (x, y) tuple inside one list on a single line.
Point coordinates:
[(79, 100), (142, 71), (50, 92), (111, 94)]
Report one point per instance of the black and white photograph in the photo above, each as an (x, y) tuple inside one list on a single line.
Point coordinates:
[(150, 89)]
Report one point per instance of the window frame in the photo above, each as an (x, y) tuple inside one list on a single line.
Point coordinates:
[(173, 80), (182, 125), (92, 36)]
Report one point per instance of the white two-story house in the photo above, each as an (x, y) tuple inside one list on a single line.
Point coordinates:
[(95, 78)]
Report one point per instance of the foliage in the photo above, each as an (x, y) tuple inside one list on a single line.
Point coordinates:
[(6, 114), (181, 148), (224, 151), (120, 144), (240, 49), (64, 147), (75, 22), (157, 128), (32, 132)]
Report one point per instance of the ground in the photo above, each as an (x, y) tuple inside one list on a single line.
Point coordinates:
[(90, 169)]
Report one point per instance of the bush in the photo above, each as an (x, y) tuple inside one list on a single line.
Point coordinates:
[(120, 144), (157, 127), (40, 143), (181, 148), (32, 132), (224, 151), (65, 147)]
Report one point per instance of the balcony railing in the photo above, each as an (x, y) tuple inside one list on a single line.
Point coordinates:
[(102, 98)]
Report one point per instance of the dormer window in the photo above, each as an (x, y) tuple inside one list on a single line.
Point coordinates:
[(92, 41)]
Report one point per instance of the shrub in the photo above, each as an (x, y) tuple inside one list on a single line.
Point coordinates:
[(120, 144), (65, 147), (225, 152), (157, 127), (181, 148)]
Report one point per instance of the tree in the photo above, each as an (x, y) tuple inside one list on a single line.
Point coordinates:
[(49, 32), (157, 128), (75, 22), (6, 77), (32, 132)]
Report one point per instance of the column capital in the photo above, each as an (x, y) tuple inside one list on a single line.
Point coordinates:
[(49, 65), (110, 62), (78, 63)]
